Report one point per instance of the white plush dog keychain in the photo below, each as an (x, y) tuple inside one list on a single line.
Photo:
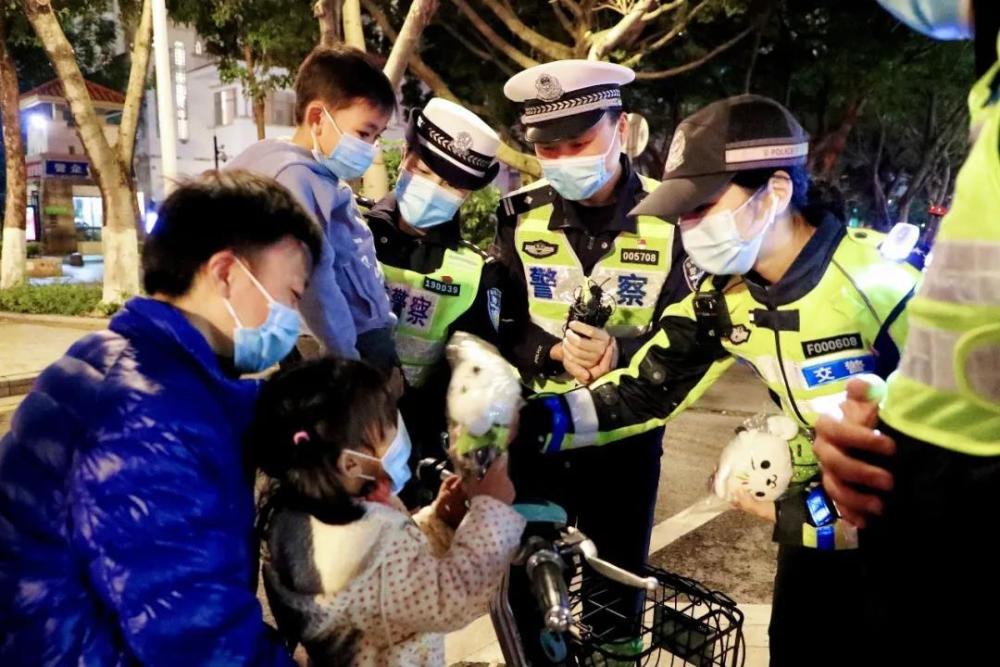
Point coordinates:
[(757, 460)]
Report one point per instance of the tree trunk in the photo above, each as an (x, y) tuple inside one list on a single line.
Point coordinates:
[(417, 18), (881, 222), (121, 256), (327, 12), (13, 254), (120, 240), (748, 82), (142, 41), (605, 42), (253, 92), (375, 183), (354, 34), (832, 146)]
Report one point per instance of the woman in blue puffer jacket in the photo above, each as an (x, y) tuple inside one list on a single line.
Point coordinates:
[(126, 505)]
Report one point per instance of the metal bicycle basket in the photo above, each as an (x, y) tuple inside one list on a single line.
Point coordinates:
[(682, 623)]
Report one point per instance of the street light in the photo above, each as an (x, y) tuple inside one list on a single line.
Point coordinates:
[(220, 151), (166, 112), (38, 121)]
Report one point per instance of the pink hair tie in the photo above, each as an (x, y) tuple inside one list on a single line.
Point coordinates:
[(300, 437)]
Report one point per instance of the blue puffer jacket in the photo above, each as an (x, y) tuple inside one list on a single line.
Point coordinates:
[(126, 516)]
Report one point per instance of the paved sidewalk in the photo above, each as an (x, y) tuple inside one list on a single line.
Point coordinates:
[(28, 345)]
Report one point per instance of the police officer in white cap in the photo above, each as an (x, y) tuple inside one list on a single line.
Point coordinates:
[(568, 244), (437, 282)]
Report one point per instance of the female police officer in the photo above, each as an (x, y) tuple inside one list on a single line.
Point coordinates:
[(793, 294), (437, 282)]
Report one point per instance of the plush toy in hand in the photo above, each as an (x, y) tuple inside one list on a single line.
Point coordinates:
[(757, 460), (484, 398)]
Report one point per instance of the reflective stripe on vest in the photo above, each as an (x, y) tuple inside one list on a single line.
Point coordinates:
[(947, 390), (427, 306)]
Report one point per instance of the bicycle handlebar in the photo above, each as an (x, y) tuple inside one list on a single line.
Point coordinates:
[(613, 572), (545, 571)]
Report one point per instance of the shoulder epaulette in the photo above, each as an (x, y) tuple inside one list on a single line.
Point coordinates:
[(527, 198), (468, 245)]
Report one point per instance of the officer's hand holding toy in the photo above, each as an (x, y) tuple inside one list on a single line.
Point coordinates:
[(756, 466)]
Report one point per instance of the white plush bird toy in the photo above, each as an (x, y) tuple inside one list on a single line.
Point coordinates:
[(757, 460), (484, 398)]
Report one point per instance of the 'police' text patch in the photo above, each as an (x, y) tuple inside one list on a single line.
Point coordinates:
[(817, 348)]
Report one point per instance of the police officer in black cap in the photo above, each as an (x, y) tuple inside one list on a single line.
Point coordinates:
[(437, 282), (585, 281)]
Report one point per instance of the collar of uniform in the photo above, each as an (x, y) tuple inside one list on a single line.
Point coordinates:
[(383, 219), (628, 193), (807, 269)]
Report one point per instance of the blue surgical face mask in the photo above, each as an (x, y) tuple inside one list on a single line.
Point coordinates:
[(258, 348), (423, 203), (350, 158), (396, 460), (940, 19), (577, 178)]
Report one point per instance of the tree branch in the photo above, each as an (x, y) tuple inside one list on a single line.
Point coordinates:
[(486, 56), (520, 161), (354, 34), (43, 19), (695, 64), (668, 37), (662, 9), (136, 85), (550, 48), (496, 40), (573, 8), (564, 20), (605, 41), (417, 18), (327, 14)]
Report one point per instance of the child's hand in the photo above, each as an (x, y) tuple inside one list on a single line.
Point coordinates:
[(496, 483), (450, 503)]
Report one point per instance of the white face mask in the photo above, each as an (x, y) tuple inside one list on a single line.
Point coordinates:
[(715, 244), (395, 461)]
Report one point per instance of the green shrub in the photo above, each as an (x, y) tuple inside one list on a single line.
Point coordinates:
[(479, 219), (33, 249), (58, 299)]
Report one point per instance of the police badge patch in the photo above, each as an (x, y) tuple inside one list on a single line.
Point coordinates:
[(692, 274), (739, 334), (539, 249), (548, 88), (461, 144), (493, 301), (676, 156)]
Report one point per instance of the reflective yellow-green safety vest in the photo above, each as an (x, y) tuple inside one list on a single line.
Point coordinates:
[(947, 389), (807, 350), (427, 305), (804, 351), (632, 271)]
